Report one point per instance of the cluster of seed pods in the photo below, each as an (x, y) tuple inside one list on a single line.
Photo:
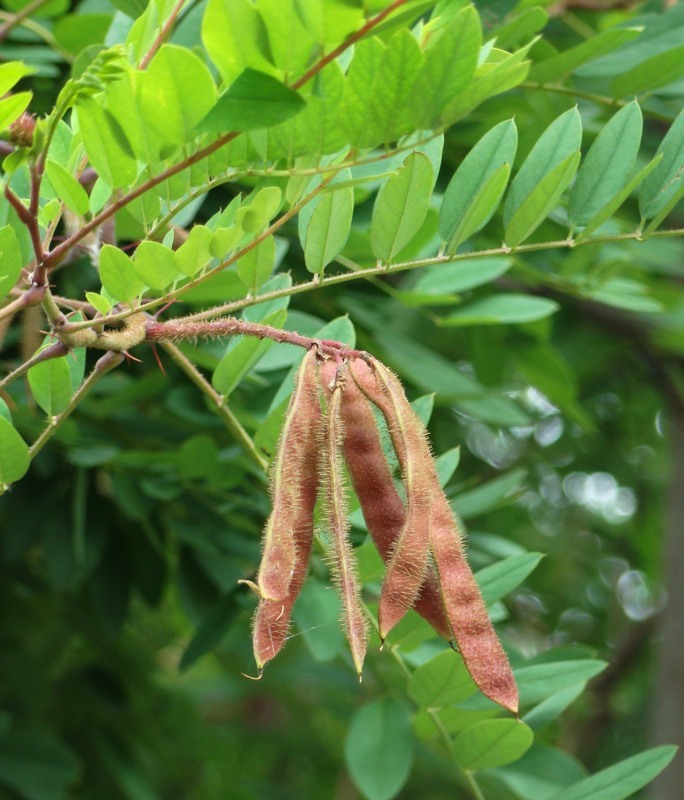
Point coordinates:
[(330, 422)]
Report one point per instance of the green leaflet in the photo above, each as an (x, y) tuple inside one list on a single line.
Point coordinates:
[(235, 37), (14, 454), (254, 101), (442, 681), (75, 33), (443, 282), (538, 681), (623, 779), (256, 266), (521, 28), (329, 21), (291, 44), (475, 180), (391, 110), (12, 107), (491, 79), (118, 275), (559, 140), (11, 73), (664, 182), (607, 165), (328, 228), (106, 144), (195, 252), (401, 206), (602, 43), (177, 92), (449, 65), (492, 743), (123, 101), (379, 748), (483, 206), (50, 383), (156, 265), (68, 189), (10, 259), (614, 203), (378, 96), (317, 129), (539, 203), (259, 209), (501, 309), (657, 71), (497, 580)]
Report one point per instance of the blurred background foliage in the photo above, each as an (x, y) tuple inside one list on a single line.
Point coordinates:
[(123, 632)]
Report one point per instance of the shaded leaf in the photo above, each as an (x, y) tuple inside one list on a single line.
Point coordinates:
[(492, 743), (501, 309), (442, 681), (623, 779), (14, 454), (379, 748)]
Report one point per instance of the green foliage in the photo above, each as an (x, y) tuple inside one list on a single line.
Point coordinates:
[(487, 198)]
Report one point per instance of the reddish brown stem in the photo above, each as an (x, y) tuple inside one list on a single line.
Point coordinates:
[(163, 33), (30, 219), (179, 330)]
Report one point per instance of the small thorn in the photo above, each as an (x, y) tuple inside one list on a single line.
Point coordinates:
[(157, 359), (129, 357)]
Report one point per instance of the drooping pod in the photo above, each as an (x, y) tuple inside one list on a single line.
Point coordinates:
[(482, 653), (383, 510), (463, 605), (343, 565), (293, 489), (272, 617), (409, 561)]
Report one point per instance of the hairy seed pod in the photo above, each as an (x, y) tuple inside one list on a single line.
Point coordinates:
[(408, 564), (343, 564), (371, 477), (482, 653), (293, 489), (272, 617), (463, 605)]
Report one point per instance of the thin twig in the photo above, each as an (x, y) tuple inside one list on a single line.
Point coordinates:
[(55, 350), (218, 401), (161, 36), (19, 17), (30, 220)]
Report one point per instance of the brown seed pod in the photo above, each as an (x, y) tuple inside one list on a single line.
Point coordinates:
[(463, 605), (343, 565), (293, 489), (272, 617), (383, 509), (408, 564), (482, 653)]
